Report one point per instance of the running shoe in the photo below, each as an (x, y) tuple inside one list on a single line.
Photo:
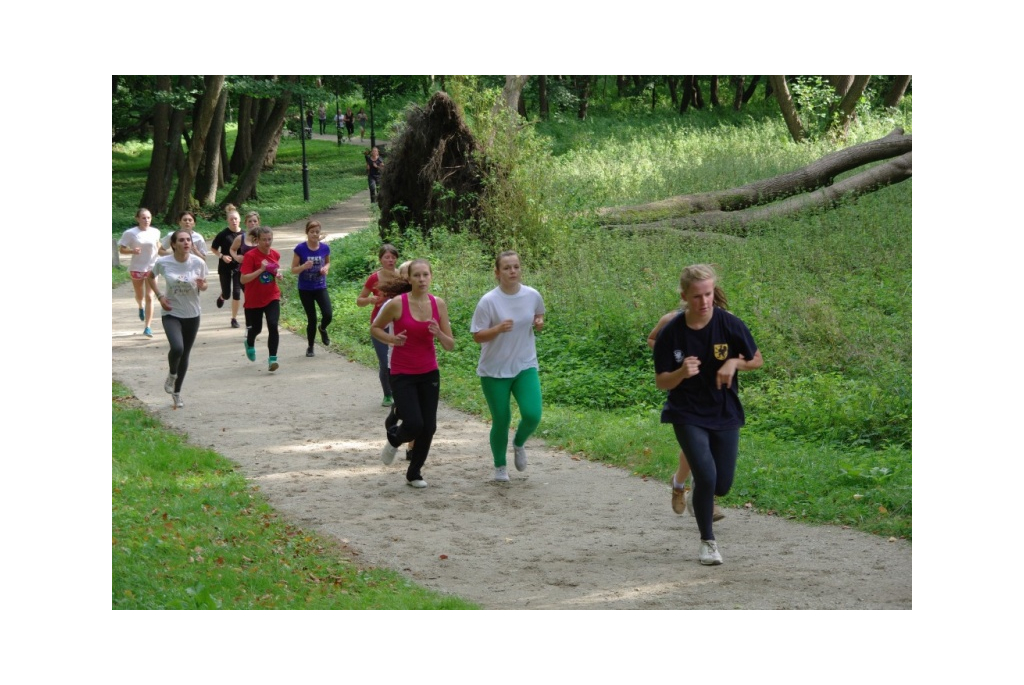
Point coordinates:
[(418, 483), (169, 383), (388, 452), (148, 332), (392, 418), (272, 364), (709, 554), (388, 401), (520, 458), (250, 352), (142, 314), (220, 302), (309, 351), (501, 474), (178, 402), (323, 336), (234, 323)]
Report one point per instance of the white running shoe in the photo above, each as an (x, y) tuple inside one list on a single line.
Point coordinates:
[(501, 474), (388, 452), (520, 458), (709, 554), (418, 483), (169, 383), (178, 402)]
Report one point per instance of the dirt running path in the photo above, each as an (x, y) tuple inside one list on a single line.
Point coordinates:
[(565, 534)]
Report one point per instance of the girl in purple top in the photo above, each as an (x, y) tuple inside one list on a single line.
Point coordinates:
[(419, 317), (311, 261)]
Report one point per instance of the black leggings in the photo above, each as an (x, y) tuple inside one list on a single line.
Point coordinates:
[(712, 457), (181, 334), (416, 396), (310, 299), (230, 282), (254, 325)]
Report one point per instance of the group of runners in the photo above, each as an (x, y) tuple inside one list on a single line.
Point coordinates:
[(698, 348)]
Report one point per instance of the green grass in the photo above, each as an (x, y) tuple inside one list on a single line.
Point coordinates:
[(189, 532)]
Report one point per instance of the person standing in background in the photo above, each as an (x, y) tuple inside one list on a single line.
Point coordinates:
[(374, 170)]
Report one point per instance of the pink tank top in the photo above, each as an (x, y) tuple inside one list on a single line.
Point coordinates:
[(417, 355)]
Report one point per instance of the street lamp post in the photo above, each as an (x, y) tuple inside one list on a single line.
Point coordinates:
[(373, 137), (302, 137)]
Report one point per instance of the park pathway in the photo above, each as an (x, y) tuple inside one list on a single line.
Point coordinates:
[(567, 533)]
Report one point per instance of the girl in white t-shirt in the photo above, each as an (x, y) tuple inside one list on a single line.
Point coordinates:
[(142, 242), (184, 278), (504, 324)]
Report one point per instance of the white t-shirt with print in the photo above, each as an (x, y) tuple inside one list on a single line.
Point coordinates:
[(180, 284)]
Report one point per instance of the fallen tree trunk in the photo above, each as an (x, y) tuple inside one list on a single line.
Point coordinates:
[(818, 174), (893, 171)]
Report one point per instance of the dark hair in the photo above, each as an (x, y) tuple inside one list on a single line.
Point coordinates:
[(175, 232), (313, 223), (385, 248), (183, 214)]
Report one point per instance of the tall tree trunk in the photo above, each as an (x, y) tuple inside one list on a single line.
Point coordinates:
[(841, 84), (848, 106), (673, 90), (225, 161), (684, 102), (210, 175), (749, 92), (654, 94), (737, 85), (511, 93), (542, 87), (896, 91), (243, 141), (785, 100), (583, 85), (154, 197), (714, 92), (698, 97), (245, 188), (621, 83), (207, 108)]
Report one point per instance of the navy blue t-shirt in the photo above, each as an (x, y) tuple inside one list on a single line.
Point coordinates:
[(696, 401)]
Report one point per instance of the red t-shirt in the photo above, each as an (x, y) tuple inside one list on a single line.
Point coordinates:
[(261, 291), (371, 285)]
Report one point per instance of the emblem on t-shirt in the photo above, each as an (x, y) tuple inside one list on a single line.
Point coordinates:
[(722, 352), (678, 354)]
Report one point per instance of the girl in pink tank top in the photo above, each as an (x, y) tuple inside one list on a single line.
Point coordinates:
[(418, 319)]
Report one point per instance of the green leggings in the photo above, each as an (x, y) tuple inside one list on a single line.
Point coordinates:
[(498, 391)]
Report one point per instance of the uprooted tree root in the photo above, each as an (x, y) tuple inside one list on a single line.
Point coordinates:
[(432, 176)]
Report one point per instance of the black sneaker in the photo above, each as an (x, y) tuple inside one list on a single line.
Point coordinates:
[(234, 323), (323, 337), (309, 351), (220, 302), (392, 418)]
